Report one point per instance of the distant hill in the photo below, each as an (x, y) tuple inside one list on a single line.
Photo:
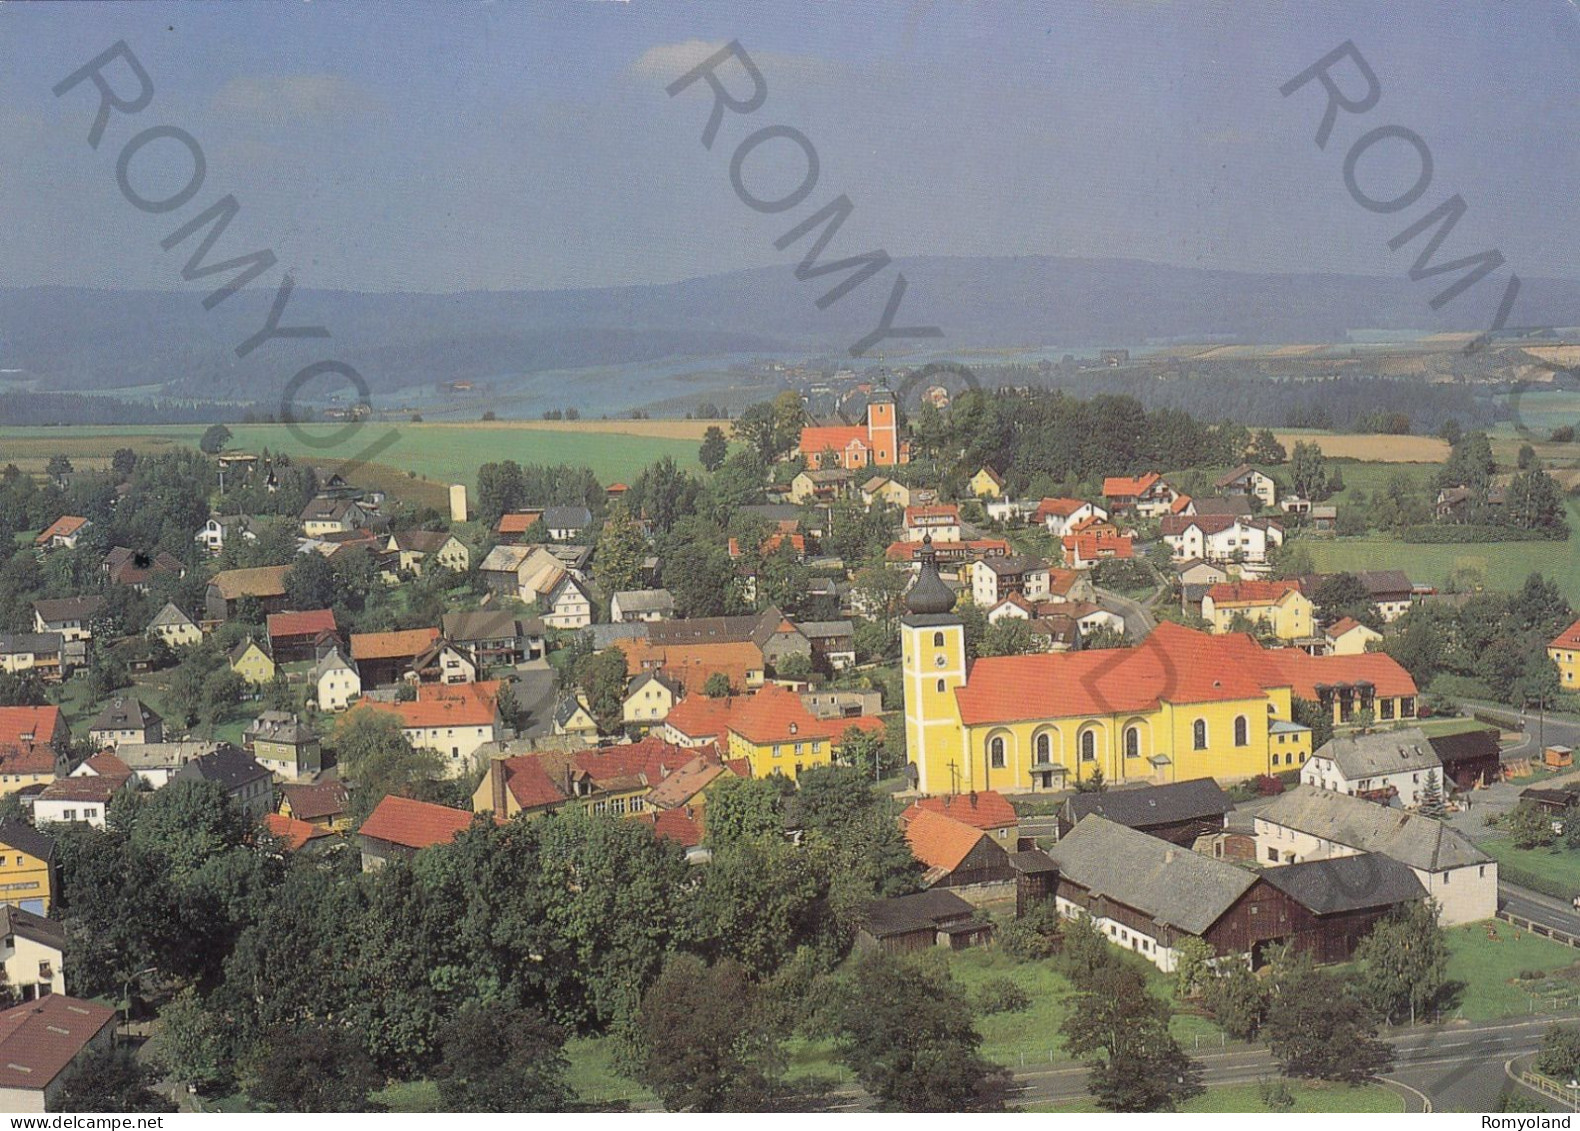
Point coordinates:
[(164, 344)]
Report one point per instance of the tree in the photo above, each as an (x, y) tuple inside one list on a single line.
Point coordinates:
[(1265, 448), (315, 1067), (215, 437), (1534, 501), (1237, 1000), (1093, 782), (110, 1079), (122, 463), (716, 686), (707, 1041), (862, 749), (1317, 1026), (193, 1044), (1404, 961), (1123, 1030), (1308, 471), (373, 754), (1431, 803), (310, 583), (495, 1058), (1085, 950), (796, 665), (1559, 1055), (739, 808), (58, 466), (617, 562), (601, 676), (908, 1034), (714, 448), (1011, 636), (1527, 458), (1529, 827), (1192, 965)]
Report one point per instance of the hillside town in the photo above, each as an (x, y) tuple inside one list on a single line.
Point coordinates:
[(908, 701)]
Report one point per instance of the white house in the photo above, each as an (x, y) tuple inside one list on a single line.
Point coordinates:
[(567, 605), (337, 680), (1308, 823), (1062, 516), (993, 579), (32, 953), (1382, 766), (649, 698), (174, 627), (940, 521), (72, 617), (1246, 480), (221, 528), (41, 1040), (629, 605), (566, 522), (1220, 538)]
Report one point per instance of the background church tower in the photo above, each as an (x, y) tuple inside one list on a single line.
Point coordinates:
[(933, 664), (883, 428)]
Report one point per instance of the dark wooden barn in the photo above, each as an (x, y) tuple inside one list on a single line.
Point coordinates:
[(1469, 758), (1178, 812)]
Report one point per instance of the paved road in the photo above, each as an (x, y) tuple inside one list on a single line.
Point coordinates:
[(1138, 621), (1538, 908)]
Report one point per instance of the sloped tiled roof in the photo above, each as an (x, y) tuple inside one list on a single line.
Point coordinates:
[(309, 623), (401, 645), (1347, 883), (437, 705), (1125, 485), (1233, 593), (1153, 805), (414, 824), (986, 809), (68, 608), (63, 527), (1367, 826), (940, 842), (262, 581), (294, 834), (40, 1039), (318, 799)]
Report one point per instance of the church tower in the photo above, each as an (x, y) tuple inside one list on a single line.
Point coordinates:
[(933, 664), (883, 428)]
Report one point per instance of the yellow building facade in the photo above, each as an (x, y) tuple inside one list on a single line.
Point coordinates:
[(27, 879), (252, 663), (1290, 614)]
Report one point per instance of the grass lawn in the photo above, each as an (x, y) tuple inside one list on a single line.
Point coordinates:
[(1489, 967), (1437, 728), (438, 454), (1504, 565), (1310, 1096), (1557, 864)]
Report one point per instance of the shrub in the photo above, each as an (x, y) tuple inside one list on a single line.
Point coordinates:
[(1275, 1094), (1033, 935), (1001, 995)]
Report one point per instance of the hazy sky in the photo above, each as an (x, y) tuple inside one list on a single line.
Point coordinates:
[(416, 147)]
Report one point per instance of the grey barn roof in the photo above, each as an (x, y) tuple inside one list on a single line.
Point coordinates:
[(1347, 883), (906, 913), (1409, 838), (1387, 752), (1169, 884), (1153, 805)]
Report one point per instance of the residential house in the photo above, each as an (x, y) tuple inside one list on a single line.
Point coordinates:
[(512, 528), (1308, 823), (1195, 571), (295, 637), (1178, 812), (494, 636), (1069, 585), (987, 483), (284, 745), (1387, 766), (245, 781), (909, 554), (1349, 637), (909, 923), (1564, 651), (568, 605), (649, 698), (444, 662), (1220, 538), (1280, 606), (1010, 511), (71, 617), (229, 588), (299, 836), (940, 522), (126, 718), (1246, 480), (32, 953), (1390, 590), (384, 658), (994, 579), (40, 653), (325, 804), (565, 523), (220, 529), (1148, 895), (122, 566), (174, 627), (414, 550), (641, 605), (775, 733), (33, 746), (81, 798), (155, 764), (1224, 506), (27, 867), (699, 720), (248, 660), (1294, 504), (881, 490), (874, 443), (1060, 516), (399, 828), (843, 703), (573, 716), (453, 719), (62, 534), (833, 643), (337, 681), (987, 811), (323, 515), (954, 854), (1470, 758), (820, 485), (1149, 495), (1085, 550), (40, 1040), (523, 572)]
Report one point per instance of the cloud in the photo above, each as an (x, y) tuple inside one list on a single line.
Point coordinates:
[(665, 62), (669, 60), (293, 97)]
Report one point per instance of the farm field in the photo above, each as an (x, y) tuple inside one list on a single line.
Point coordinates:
[(1490, 966), (438, 454), (1366, 446), (1505, 565)]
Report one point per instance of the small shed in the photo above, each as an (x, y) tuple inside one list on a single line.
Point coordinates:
[(1557, 757), (927, 919), (1036, 879)]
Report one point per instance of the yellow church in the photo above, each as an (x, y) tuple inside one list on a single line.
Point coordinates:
[(1181, 704)]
